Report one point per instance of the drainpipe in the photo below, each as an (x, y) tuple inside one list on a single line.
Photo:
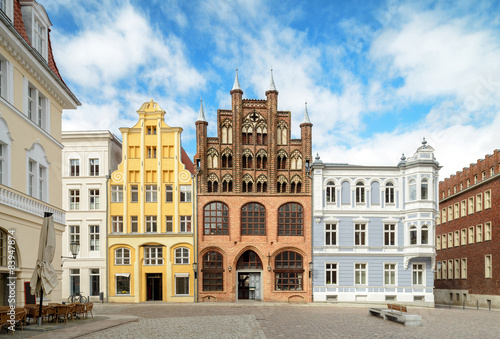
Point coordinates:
[(107, 235), (308, 170), (195, 232)]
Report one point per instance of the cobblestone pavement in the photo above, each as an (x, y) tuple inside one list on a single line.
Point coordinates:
[(275, 320)]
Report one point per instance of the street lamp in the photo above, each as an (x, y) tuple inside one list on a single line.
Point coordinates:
[(74, 247), (195, 269)]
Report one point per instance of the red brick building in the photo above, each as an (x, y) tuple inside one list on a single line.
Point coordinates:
[(468, 235), (254, 198)]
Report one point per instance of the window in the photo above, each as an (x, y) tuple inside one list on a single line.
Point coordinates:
[(181, 283), (457, 238), (261, 160), (457, 269), (450, 239), (37, 172), (213, 276), (290, 219), (443, 241), (122, 284), (74, 281), (389, 274), (94, 238), (359, 234), (443, 215), (464, 236), (471, 235), (479, 233), (471, 205), (330, 234), (463, 205), (262, 135), (444, 269), (134, 193), (151, 130), (182, 255), (389, 193), (216, 219), (418, 274), (296, 161), (330, 192), (359, 274), (281, 163), (94, 282), (94, 199), (169, 223), (492, 171), (185, 192), (117, 224), (4, 163), (389, 234), (134, 223), (487, 231), (36, 106), (153, 255), (450, 213), (487, 266), (227, 133), (74, 165), (247, 160), (94, 167), (413, 235), (331, 274), (169, 193), (479, 202), (456, 211), (468, 182), (475, 179), (122, 256), (483, 175), (151, 226), (281, 135), (455, 189), (360, 192), (74, 199), (185, 223), (39, 38), (288, 271), (116, 193), (424, 190), (463, 274), (424, 235), (438, 242), (74, 234), (438, 270), (253, 219), (413, 190), (487, 199), (151, 152), (227, 160), (151, 193)]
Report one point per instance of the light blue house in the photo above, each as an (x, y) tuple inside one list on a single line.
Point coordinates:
[(374, 230)]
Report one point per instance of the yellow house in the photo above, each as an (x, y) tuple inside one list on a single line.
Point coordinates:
[(150, 221)]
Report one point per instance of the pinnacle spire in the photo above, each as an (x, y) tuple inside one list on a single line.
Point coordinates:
[(201, 115), (272, 87), (306, 119), (236, 82)]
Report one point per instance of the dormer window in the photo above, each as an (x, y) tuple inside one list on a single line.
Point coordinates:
[(36, 23), (7, 7), (39, 38)]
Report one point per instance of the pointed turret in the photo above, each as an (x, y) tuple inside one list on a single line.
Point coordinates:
[(236, 82), (272, 87), (201, 115), (306, 119)]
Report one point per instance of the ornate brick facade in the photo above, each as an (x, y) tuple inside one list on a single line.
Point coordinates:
[(470, 260), (254, 198)]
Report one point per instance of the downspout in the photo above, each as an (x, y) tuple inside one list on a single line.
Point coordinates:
[(195, 233), (308, 170), (107, 235)]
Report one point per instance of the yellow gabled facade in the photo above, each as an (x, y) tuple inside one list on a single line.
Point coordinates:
[(151, 222)]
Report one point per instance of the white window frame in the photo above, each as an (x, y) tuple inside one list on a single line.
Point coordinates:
[(331, 270), (463, 236), (487, 199), (36, 106), (74, 167), (151, 193), (94, 238), (5, 157), (488, 266), (360, 273), (424, 189), (330, 192), (389, 193), (412, 191), (479, 233), (390, 230), (463, 269), (122, 256), (37, 173), (74, 273), (185, 224), (479, 202), (151, 224), (153, 256), (94, 199), (74, 199), (360, 234), (6, 79), (73, 234), (471, 234), (185, 193), (122, 275), (456, 267), (438, 242), (487, 231), (93, 274), (418, 272), (181, 255), (169, 221), (134, 221), (169, 193), (117, 224), (116, 193), (134, 193), (471, 205), (391, 267), (182, 276), (463, 208), (331, 234), (360, 193), (94, 167)]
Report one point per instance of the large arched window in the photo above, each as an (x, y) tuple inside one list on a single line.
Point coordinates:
[(182, 255), (424, 235), (413, 189), (424, 189), (213, 271), (413, 235), (389, 193), (216, 219), (122, 256), (360, 192), (253, 219), (289, 271), (330, 192), (291, 219), (249, 260)]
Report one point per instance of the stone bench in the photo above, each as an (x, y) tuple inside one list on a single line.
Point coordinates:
[(398, 314)]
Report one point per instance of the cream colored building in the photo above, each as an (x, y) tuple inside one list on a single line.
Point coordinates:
[(32, 99), (88, 159), (151, 228)]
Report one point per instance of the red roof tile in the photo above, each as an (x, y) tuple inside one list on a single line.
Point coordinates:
[(186, 161)]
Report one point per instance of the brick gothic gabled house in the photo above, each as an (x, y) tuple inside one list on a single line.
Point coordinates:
[(254, 198)]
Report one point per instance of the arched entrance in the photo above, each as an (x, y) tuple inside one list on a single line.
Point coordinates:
[(249, 273)]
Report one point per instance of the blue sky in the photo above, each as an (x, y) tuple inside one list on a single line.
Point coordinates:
[(378, 76)]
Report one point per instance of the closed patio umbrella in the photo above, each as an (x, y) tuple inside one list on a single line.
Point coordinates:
[(44, 278)]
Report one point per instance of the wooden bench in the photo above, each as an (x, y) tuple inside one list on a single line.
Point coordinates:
[(397, 313)]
